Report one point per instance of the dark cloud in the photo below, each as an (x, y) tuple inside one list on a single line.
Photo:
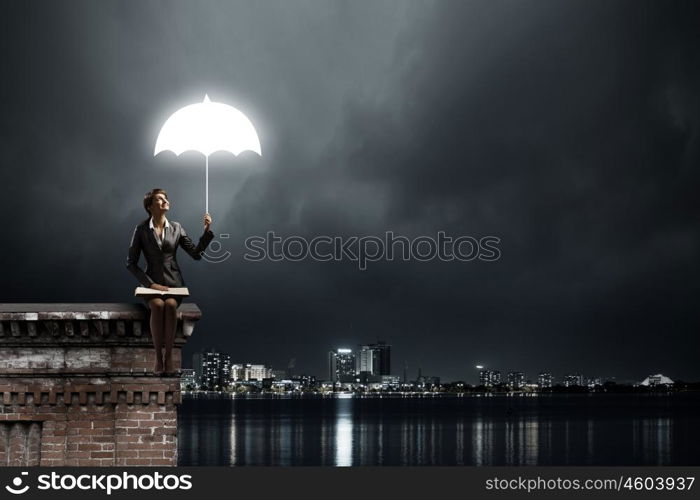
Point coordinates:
[(569, 130)]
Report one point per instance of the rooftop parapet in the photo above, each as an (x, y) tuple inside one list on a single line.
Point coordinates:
[(77, 388)]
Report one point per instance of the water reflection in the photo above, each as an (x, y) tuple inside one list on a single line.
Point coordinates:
[(232, 437), (557, 430), (653, 438), (343, 433)]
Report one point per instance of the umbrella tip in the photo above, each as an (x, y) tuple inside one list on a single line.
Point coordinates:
[(206, 98)]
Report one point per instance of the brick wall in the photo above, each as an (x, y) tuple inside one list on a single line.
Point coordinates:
[(85, 399), (20, 443)]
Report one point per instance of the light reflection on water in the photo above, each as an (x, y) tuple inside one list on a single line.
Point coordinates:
[(342, 431)]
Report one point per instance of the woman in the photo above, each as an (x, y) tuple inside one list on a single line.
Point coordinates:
[(158, 239)]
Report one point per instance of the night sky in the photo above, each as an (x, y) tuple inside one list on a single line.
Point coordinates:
[(570, 130)]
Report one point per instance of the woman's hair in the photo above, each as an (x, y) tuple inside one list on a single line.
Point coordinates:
[(148, 198)]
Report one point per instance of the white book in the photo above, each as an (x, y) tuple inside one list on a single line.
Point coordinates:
[(176, 292)]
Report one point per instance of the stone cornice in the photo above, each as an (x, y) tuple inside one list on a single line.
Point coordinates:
[(100, 324), (82, 391)]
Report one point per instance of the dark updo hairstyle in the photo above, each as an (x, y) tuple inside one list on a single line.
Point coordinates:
[(148, 198)]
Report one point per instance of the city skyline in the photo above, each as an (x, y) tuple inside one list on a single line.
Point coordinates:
[(348, 370)]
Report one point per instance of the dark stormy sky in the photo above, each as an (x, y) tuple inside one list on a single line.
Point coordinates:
[(570, 130)]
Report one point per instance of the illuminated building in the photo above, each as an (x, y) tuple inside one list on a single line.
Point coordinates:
[(545, 380), (375, 359), (341, 365), (243, 372), (573, 380), (516, 380), (489, 378)]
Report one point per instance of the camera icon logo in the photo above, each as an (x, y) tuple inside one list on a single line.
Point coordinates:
[(16, 488), (214, 254)]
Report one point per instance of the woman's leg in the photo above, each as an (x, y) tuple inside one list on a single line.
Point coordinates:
[(170, 328), (157, 306)]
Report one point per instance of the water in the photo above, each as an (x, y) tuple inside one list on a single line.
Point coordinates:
[(338, 430)]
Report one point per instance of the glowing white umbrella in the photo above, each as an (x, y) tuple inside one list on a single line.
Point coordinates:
[(208, 127)]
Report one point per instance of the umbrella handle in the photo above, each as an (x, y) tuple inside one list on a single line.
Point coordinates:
[(206, 177)]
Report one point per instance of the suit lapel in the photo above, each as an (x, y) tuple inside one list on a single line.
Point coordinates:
[(169, 240)]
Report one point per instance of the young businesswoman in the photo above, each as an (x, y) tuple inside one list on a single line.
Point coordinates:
[(158, 239)]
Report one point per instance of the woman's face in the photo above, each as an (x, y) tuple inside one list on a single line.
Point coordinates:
[(160, 204)]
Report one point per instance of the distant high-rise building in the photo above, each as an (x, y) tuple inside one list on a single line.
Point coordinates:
[(489, 378), (224, 370), (211, 367), (545, 379), (197, 366), (516, 380), (341, 365), (573, 380), (244, 372), (365, 360), (375, 359)]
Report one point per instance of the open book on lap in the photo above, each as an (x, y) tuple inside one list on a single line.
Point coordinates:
[(175, 292)]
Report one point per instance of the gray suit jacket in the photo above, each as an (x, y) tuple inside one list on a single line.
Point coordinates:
[(161, 264)]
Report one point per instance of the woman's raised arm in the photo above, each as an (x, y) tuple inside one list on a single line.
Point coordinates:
[(195, 251)]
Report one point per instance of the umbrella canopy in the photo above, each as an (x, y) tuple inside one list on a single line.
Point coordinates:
[(207, 127)]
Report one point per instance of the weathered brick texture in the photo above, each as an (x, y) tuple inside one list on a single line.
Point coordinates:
[(76, 387), (20, 443)]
